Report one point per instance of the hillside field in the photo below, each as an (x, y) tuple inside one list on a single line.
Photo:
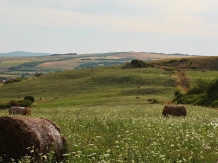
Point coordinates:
[(29, 65), (94, 86), (103, 121)]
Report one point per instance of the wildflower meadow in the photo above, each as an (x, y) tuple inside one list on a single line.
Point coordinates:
[(135, 133)]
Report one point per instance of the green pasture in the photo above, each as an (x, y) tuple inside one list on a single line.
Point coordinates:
[(207, 75), (12, 63), (94, 86)]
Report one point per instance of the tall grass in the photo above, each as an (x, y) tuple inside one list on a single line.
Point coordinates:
[(135, 133)]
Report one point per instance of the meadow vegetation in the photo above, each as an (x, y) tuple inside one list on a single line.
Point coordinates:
[(103, 121), (135, 133), (94, 86), (203, 91)]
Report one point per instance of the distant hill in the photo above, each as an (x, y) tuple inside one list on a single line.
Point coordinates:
[(22, 54), (205, 62)]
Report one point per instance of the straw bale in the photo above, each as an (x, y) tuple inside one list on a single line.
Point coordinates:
[(174, 110), (19, 133), (19, 110)]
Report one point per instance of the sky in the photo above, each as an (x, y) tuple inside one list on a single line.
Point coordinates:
[(98, 26)]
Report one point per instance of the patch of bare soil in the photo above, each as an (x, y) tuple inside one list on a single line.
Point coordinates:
[(68, 64), (183, 81), (148, 56)]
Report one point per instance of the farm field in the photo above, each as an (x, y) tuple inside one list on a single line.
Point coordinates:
[(103, 121), (12, 63), (61, 65), (60, 62)]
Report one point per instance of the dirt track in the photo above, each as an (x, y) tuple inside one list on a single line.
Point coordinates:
[(183, 80)]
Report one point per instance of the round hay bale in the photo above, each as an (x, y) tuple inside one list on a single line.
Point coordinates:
[(35, 137), (174, 110), (19, 110)]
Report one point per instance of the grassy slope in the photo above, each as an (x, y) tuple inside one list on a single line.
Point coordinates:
[(94, 86), (109, 124), (205, 75), (187, 63)]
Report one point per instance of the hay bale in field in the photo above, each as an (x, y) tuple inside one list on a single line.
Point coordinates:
[(19, 110), (150, 100), (174, 110), (19, 134)]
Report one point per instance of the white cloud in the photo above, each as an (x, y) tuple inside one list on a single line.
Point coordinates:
[(176, 18), (169, 17)]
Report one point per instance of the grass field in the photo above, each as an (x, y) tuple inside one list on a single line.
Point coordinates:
[(135, 133), (12, 63), (205, 75), (94, 86), (101, 118)]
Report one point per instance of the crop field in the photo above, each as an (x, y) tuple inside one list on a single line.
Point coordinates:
[(62, 65), (135, 133), (9, 75), (12, 63), (65, 62)]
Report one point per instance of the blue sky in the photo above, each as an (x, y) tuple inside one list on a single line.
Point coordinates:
[(94, 26)]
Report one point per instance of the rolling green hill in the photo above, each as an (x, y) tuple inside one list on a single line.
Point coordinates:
[(94, 86), (105, 115), (112, 84)]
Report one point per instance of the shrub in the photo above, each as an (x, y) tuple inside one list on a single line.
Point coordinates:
[(193, 67), (13, 81), (173, 61), (154, 101), (177, 93), (31, 98), (183, 59), (127, 65), (136, 63), (213, 90), (14, 103), (215, 103), (38, 74), (169, 69), (25, 103), (204, 94), (201, 87), (5, 106)]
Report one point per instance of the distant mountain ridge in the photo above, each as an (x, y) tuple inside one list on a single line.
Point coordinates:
[(22, 54)]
